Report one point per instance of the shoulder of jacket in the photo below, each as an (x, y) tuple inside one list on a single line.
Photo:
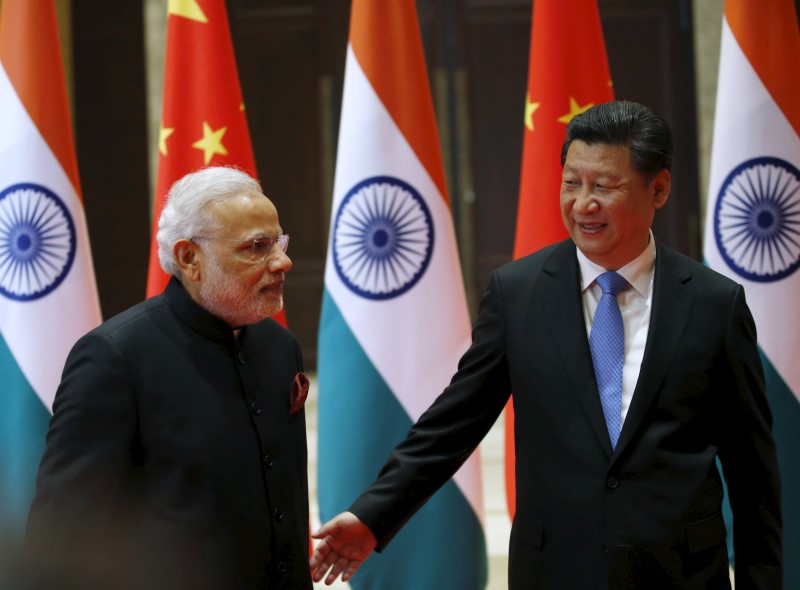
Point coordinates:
[(693, 274), (130, 321), (534, 262)]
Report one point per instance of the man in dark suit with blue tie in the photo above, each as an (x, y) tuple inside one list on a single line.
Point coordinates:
[(628, 386)]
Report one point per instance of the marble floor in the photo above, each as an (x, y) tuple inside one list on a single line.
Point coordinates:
[(496, 522)]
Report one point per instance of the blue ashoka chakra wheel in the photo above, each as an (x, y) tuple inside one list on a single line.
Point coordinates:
[(757, 219), (37, 241), (382, 238)]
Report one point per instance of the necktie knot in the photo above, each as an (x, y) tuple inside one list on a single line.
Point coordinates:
[(612, 283)]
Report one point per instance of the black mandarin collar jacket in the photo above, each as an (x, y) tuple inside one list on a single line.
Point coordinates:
[(173, 458)]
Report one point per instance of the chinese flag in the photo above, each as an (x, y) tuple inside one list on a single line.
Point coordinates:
[(567, 73), (203, 122)]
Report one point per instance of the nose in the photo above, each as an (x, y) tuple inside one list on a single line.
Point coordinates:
[(585, 202), (280, 261)]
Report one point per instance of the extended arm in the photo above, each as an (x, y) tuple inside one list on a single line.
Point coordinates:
[(447, 433)]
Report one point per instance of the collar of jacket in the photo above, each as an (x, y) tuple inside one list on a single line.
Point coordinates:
[(194, 315)]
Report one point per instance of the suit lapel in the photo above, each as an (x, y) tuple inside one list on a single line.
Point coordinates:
[(561, 299), (671, 306)]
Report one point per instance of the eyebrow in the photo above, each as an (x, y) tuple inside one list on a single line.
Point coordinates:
[(262, 234)]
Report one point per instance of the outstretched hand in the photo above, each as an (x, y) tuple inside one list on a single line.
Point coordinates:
[(345, 542)]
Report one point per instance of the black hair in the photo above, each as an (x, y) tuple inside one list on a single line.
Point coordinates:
[(622, 122)]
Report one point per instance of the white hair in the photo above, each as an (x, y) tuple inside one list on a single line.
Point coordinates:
[(185, 214)]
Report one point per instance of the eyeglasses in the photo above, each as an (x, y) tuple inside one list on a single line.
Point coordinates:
[(257, 249)]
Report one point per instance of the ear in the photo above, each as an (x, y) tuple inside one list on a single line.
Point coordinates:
[(661, 187), (188, 256)]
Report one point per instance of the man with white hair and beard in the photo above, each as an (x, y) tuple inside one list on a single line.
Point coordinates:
[(176, 456)]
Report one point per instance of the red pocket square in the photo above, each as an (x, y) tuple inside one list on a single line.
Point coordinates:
[(299, 392)]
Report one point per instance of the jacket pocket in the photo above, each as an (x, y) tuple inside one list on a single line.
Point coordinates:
[(706, 533)]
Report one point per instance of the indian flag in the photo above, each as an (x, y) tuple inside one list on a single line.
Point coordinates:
[(752, 231), (48, 297), (394, 315)]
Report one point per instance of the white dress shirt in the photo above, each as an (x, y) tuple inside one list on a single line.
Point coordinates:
[(635, 303)]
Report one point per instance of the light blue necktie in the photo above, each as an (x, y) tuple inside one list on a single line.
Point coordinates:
[(607, 343)]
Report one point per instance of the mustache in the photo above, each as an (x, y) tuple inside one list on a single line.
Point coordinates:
[(275, 281)]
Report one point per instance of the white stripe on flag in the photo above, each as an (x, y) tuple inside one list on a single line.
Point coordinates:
[(749, 125), (40, 333), (429, 327)]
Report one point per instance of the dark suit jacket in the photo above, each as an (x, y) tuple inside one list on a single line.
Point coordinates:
[(647, 514), (172, 459)]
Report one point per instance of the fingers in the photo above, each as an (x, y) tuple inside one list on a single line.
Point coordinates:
[(345, 542), (333, 526), (320, 552), (350, 570), (333, 565), (319, 564), (328, 561), (324, 561), (325, 530), (336, 569)]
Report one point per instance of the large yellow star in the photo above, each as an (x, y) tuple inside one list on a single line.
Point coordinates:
[(163, 134), (530, 108), (187, 9), (574, 109), (211, 143)]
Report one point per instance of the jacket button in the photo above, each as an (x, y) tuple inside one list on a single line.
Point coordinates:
[(612, 482), (278, 514), (282, 567), (255, 408), (242, 357), (268, 460)]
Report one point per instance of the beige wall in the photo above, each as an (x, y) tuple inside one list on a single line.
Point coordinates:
[(155, 31), (63, 14), (707, 34)]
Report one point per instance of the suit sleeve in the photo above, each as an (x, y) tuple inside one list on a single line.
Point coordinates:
[(84, 480), (447, 433), (748, 457)]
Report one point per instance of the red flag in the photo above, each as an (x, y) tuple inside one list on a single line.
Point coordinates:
[(567, 73), (203, 121)]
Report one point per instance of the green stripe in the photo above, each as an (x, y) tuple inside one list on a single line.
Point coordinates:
[(23, 427), (786, 430)]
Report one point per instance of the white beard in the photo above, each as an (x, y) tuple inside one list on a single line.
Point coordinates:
[(230, 301)]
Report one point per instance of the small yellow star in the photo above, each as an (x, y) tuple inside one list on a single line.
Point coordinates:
[(530, 108), (574, 109), (187, 9), (163, 134), (241, 107), (211, 143)]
